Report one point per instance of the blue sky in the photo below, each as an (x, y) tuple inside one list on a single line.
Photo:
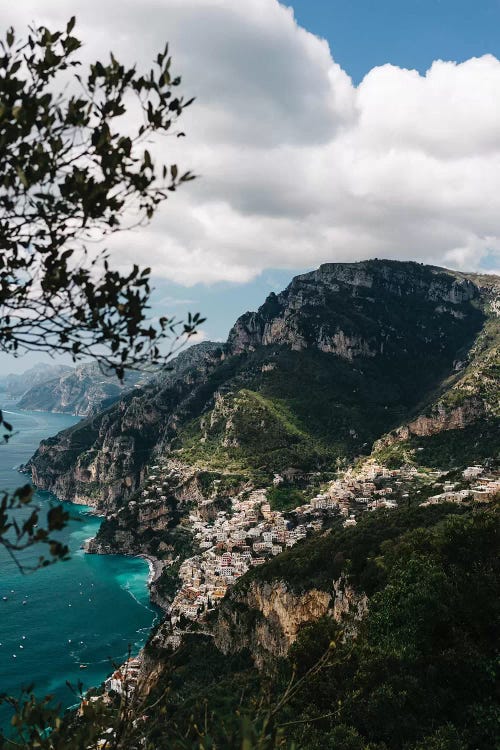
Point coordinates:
[(408, 33), (298, 165)]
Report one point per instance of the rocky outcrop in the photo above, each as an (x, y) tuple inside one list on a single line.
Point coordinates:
[(75, 469), (100, 461), (265, 618), (296, 317), (442, 418)]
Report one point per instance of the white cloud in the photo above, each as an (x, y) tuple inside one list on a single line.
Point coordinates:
[(197, 337), (297, 165)]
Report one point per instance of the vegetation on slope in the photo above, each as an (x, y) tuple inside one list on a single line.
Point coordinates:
[(421, 673), (304, 410), (475, 443), (470, 393)]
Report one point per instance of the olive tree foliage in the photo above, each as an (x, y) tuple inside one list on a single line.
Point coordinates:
[(71, 172), (20, 529), (74, 169)]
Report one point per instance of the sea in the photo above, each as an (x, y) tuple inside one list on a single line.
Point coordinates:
[(73, 621)]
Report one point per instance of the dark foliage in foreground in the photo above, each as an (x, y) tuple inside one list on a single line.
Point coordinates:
[(71, 173)]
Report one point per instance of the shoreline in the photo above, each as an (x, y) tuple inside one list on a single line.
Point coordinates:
[(155, 565), (155, 568), (12, 401), (77, 508)]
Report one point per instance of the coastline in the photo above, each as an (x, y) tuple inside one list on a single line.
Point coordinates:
[(91, 547), (16, 471), (155, 568), (52, 674), (88, 545)]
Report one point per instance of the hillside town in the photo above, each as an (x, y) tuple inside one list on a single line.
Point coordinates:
[(231, 541), (250, 532)]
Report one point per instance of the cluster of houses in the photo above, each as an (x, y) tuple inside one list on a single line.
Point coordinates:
[(358, 491), (124, 679), (483, 485), (123, 682), (251, 532), (229, 545)]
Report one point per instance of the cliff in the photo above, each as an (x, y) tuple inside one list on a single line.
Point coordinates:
[(100, 461), (266, 617), (348, 309)]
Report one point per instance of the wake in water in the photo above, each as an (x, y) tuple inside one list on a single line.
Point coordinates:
[(126, 587)]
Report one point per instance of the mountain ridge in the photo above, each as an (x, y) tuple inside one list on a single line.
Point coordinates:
[(16, 384), (82, 390), (343, 337)]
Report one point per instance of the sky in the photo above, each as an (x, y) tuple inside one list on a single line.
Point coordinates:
[(336, 130)]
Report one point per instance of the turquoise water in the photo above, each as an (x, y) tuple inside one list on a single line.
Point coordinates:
[(86, 611)]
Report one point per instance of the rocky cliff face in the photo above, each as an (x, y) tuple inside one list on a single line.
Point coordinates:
[(100, 461), (441, 419), (266, 617), (348, 292)]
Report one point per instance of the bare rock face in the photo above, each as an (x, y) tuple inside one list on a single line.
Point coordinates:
[(446, 419), (441, 419), (267, 617), (348, 347), (313, 311), (267, 620)]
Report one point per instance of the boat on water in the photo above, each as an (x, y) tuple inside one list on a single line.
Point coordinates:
[(83, 666)]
